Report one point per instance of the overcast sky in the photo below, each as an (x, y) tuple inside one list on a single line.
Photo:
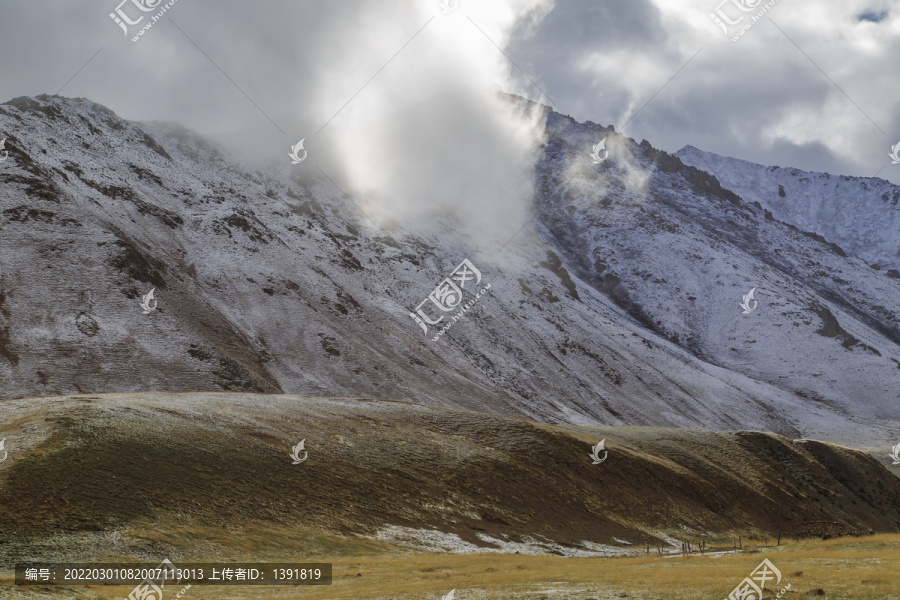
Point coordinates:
[(813, 85)]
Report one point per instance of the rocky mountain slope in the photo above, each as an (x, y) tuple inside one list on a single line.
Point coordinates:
[(211, 475), (859, 214), (618, 304)]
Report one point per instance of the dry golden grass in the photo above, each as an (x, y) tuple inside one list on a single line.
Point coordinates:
[(848, 568), (99, 463), (207, 478)]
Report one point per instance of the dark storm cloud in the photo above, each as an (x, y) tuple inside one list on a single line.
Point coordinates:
[(576, 33), (289, 67), (822, 102)]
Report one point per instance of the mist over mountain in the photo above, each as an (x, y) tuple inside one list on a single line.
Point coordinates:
[(617, 304)]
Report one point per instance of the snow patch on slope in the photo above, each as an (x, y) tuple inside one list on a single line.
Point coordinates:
[(859, 214)]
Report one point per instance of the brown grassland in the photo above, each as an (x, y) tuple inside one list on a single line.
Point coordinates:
[(866, 568), (204, 477)]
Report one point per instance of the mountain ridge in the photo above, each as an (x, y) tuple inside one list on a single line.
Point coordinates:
[(270, 284), (776, 189)]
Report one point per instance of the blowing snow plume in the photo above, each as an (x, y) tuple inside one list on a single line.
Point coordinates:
[(430, 135)]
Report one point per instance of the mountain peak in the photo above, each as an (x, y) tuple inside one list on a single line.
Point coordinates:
[(618, 303), (861, 215)]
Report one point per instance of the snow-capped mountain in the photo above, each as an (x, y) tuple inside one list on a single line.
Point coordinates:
[(618, 304), (859, 214)]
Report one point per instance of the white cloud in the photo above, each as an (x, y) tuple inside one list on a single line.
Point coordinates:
[(430, 135)]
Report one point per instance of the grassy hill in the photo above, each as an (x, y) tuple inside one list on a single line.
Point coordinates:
[(209, 474)]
